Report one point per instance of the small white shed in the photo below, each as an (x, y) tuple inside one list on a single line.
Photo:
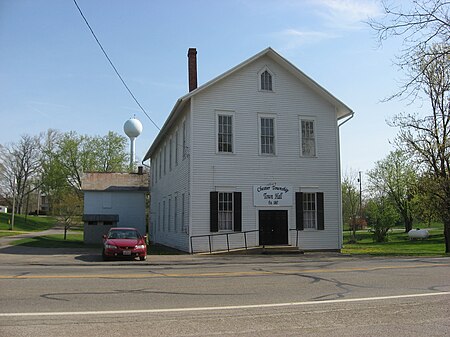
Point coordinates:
[(113, 200)]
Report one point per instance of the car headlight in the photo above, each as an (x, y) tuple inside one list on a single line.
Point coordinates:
[(110, 246), (139, 247)]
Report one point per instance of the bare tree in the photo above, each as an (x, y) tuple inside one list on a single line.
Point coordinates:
[(20, 168), (421, 24), (426, 138)]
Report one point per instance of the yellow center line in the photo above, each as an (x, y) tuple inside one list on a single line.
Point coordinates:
[(219, 274)]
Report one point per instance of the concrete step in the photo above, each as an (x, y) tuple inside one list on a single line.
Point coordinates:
[(283, 249), (269, 250)]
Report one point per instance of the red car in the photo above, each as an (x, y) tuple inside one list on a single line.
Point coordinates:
[(124, 242)]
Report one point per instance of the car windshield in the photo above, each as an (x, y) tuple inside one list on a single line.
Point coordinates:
[(123, 234)]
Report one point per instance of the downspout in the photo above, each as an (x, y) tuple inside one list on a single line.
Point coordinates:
[(149, 203), (350, 117), (341, 228)]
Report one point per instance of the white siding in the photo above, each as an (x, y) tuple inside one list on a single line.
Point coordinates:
[(173, 183), (205, 170), (245, 168), (130, 206)]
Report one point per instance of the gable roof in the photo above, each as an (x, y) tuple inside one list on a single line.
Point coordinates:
[(342, 110)]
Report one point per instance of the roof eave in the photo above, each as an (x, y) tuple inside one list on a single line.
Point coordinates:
[(180, 103)]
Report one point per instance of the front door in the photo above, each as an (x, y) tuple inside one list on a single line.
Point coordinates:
[(273, 227)]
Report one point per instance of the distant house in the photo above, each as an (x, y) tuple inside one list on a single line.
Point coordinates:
[(113, 200), (3, 209), (249, 158)]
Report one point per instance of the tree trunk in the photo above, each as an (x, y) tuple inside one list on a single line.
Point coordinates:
[(408, 224), (447, 234)]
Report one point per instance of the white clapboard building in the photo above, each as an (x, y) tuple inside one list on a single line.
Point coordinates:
[(250, 158)]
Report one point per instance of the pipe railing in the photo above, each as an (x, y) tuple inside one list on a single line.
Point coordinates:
[(222, 234), (296, 235)]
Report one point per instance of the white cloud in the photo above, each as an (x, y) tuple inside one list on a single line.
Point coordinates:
[(346, 14), (293, 38)]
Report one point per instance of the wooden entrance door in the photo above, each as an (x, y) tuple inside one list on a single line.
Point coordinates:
[(273, 227)]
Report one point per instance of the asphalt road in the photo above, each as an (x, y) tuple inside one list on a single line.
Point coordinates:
[(75, 293)]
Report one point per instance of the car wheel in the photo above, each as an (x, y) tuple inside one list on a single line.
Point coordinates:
[(105, 258), (142, 258)]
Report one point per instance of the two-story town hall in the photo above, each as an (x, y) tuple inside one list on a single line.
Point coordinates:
[(253, 153)]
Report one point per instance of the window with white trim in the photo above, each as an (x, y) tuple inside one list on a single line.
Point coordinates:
[(170, 153), (225, 133), (266, 81), (308, 137), (164, 216), (154, 170), (169, 215), (184, 140), (176, 147), (267, 135), (225, 220), (159, 217), (309, 211), (165, 158), (160, 164), (183, 215), (175, 212)]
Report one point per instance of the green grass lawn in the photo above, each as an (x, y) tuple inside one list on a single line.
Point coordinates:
[(398, 243), (30, 223), (55, 241)]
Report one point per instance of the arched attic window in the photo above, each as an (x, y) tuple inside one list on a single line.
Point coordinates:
[(266, 81)]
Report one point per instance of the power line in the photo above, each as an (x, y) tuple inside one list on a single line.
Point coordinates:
[(112, 65)]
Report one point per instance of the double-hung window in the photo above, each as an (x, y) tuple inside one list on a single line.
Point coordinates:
[(267, 134), (308, 138), (175, 213), (170, 154), (184, 140), (225, 220), (165, 158), (309, 210), (176, 148), (169, 216), (225, 133), (225, 211), (164, 216), (160, 163)]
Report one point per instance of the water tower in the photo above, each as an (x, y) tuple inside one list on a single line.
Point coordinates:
[(133, 129)]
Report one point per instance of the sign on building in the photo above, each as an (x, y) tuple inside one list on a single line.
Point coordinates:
[(272, 195)]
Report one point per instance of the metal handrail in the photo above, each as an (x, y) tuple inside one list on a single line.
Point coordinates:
[(296, 238), (221, 234)]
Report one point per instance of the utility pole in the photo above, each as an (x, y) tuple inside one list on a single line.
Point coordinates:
[(14, 203), (360, 195)]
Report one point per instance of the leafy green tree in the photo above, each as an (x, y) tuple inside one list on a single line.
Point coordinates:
[(425, 58), (425, 204), (68, 155), (382, 216), (395, 178), (426, 137), (110, 153), (350, 202)]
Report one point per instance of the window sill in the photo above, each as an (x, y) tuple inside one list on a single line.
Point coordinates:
[(225, 153)]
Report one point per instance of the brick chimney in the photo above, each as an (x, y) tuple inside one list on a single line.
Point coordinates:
[(192, 68)]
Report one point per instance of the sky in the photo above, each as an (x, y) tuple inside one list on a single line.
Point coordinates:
[(54, 75)]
